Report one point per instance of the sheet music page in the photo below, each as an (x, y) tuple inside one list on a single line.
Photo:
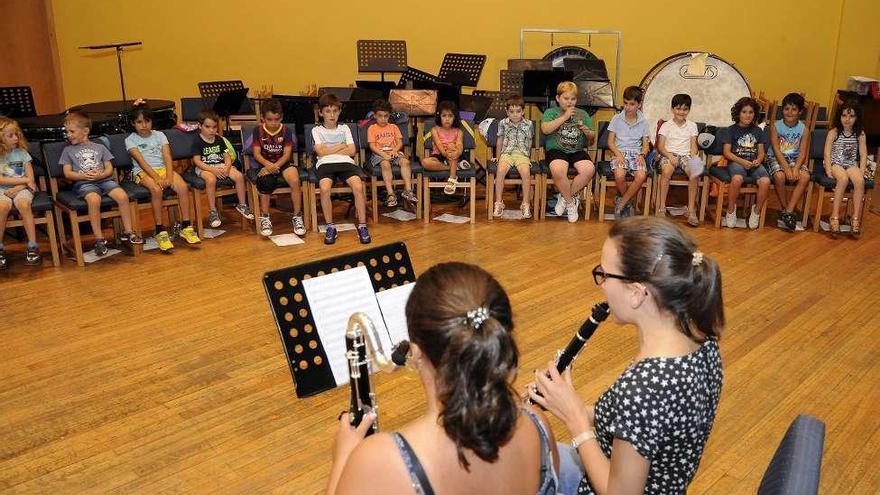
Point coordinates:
[(392, 302), (333, 298)]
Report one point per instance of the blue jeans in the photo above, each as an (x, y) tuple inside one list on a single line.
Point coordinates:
[(755, 172)]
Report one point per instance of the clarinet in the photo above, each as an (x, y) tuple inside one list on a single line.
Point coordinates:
[(565, 357), (363, 348)]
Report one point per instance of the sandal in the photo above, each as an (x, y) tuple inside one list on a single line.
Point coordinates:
[(450, 186), (856, 227), (835, 227)]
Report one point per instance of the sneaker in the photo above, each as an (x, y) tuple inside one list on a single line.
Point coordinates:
[(788, 221), (730, 220), (526, 210), (754, 218), (364, 234), (571, 209), (101, 247), (450, 186), (245, 211), (164, 241), (618, 206), (32, 256), (189, 235), (330, 235), (693, 221), (391, 201), (131, 238), (265, 226), (499, 209), (409, 196), (299, 228), (214, 219), (627, 210), (4, 263), (560, 205), (464, 165)]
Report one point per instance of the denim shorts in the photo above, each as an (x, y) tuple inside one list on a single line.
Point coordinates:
[(754, 172), (691, 166), (101, 187)]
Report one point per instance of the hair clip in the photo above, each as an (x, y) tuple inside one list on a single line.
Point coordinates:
[(697, 259), (477, 316)]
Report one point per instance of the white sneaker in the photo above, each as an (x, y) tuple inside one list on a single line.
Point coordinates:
[(572, 209), (265, 226), (560, 205), (754, 218), (464, 165), (730, 220), (499, 209), (525, 209), (299, 228)]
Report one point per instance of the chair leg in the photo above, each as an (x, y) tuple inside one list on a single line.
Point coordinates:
[(588, 201), (819, 200), (426, 189), (473, 200), (254, 198), (719, 206), (603, 182), (490, 193), (314, 209), (648, 191), (543, 206), (375, 190), (806, 208), (306, 206), (763, 215), (77, 241), (62, 236), (53, 241), (704, 198), (420, 196), (197, 205)]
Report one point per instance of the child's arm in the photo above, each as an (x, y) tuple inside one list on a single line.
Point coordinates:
[(731, 157), (774, 146), (551, 126), (70, 175), (377, 150), (499, 145), (863, 152), (438, 145), (197, 161), (17, 181), (803, 151), (661, 148), (643, 153), (612, 147), (108, 171), (264, 163), (459, 144), (761, 155), (695, 150), (829, 141), (139, 158)]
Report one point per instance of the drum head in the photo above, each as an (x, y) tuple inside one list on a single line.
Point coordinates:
[(558, 55), (712, 93)]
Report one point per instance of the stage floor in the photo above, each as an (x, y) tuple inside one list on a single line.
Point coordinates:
[(103, 392)]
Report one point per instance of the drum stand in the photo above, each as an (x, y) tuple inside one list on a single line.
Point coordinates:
[(118, 47)]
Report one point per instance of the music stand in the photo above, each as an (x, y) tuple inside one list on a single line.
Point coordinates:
[(355, 110), (411, 74), (539, 86), (498, 108), (118, 47), (210, 90), (17, 102), (445, 92), (299, 111), (511, 82), (229, 102), (462, 69), (381, 56), (389, 266), (476, 104), (384, 87)]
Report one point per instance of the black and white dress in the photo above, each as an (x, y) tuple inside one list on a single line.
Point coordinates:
[(665, 408)]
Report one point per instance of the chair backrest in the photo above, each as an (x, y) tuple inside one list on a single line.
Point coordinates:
[(121, 159), (364, 143), (466, 136), (190, 108), (247, 131), (180, 143), (817, 144), (717, 148), (51, 156), (310, 142), (35, 149), (602, 143), (795, 467)]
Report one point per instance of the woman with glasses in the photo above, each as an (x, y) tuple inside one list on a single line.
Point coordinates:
[(646, 433)]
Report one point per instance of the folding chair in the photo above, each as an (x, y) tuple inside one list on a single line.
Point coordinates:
[(825, 185), (375, 171), (606, 175), (513, 178), (437, 179), (720, 177), (314, 187), (66, 201), (247, 154)]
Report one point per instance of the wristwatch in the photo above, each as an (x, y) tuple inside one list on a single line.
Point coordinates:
[(582, 438)]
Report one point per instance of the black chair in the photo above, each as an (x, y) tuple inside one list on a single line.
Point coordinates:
[(41, 206), (314, 189), (825, 185), (513, 177), (547, 181), (375, 171), (796, 465), (721, 177)]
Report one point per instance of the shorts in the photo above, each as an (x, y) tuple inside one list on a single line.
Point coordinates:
[(200, 171), (161, 172), (101, 187), (515, 159), (337, 171), (571, 158), (691, 166), (375, 160), (630, 163), (773, 166), (267, 184), (23, 194), (754, 172), (845, 166)]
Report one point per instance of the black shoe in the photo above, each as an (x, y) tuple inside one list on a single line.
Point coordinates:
[(101, 247), (32, 257), (4, 263), (789, 223)]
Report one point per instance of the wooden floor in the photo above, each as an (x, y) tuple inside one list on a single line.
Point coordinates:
[(101, 392)]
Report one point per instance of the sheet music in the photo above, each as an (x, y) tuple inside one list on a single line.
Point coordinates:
[(392, 302), (333, 298)]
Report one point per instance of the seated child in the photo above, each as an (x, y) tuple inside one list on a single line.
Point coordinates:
[(447, 142), (677, 145), (17, 188), (744, 145), (513, 147), (787, 160), (628, 141), (386, 143)]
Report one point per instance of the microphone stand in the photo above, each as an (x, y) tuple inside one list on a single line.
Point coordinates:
[(118, 47)]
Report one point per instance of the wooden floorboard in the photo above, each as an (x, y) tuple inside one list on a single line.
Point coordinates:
[(102, 392)]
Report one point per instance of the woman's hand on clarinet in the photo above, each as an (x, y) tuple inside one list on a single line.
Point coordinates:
[(558, 396), (348, 436)]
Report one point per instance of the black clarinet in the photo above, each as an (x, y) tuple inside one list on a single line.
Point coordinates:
[(565, 357), (363, 348)]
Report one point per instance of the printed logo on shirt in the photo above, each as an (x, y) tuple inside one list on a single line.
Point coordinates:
[(87, 160), (747, 146)]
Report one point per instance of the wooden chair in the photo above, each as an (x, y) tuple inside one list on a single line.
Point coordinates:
[(314, 189), (679, 178), (438, 179), (375, 171), (513, 178), (825, 185), (720, 177), (606, 175), (547, 180), (41, 206)]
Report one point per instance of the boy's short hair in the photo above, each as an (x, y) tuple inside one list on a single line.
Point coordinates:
[(515, 101), (566, 87), (681, 100), (208, 114), (796, 100), (328, 100), (79, 119), (271, 106), (381, 105), (633, 93)]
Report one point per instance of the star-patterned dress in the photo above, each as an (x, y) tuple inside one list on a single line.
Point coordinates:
[(665, 408)]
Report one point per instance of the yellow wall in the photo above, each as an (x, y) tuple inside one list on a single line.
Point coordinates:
[(291, 44)]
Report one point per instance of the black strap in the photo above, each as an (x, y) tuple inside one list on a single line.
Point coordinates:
[(417, 468)]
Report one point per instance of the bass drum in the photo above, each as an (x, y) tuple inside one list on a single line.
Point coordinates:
[(557, 56), (713, 93)]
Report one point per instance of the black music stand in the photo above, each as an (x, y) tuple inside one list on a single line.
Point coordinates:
[(381, 56), (229, 102), (384, 87), (355, 110), (118, 47), (17, 102), (411, 75), (211, 90), (476, 104), (539, 86), (389, 266), (498, 108), (462, 69), (299, 111), (511, 81)]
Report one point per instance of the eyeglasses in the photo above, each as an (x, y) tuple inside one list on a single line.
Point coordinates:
[(600, 275)]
